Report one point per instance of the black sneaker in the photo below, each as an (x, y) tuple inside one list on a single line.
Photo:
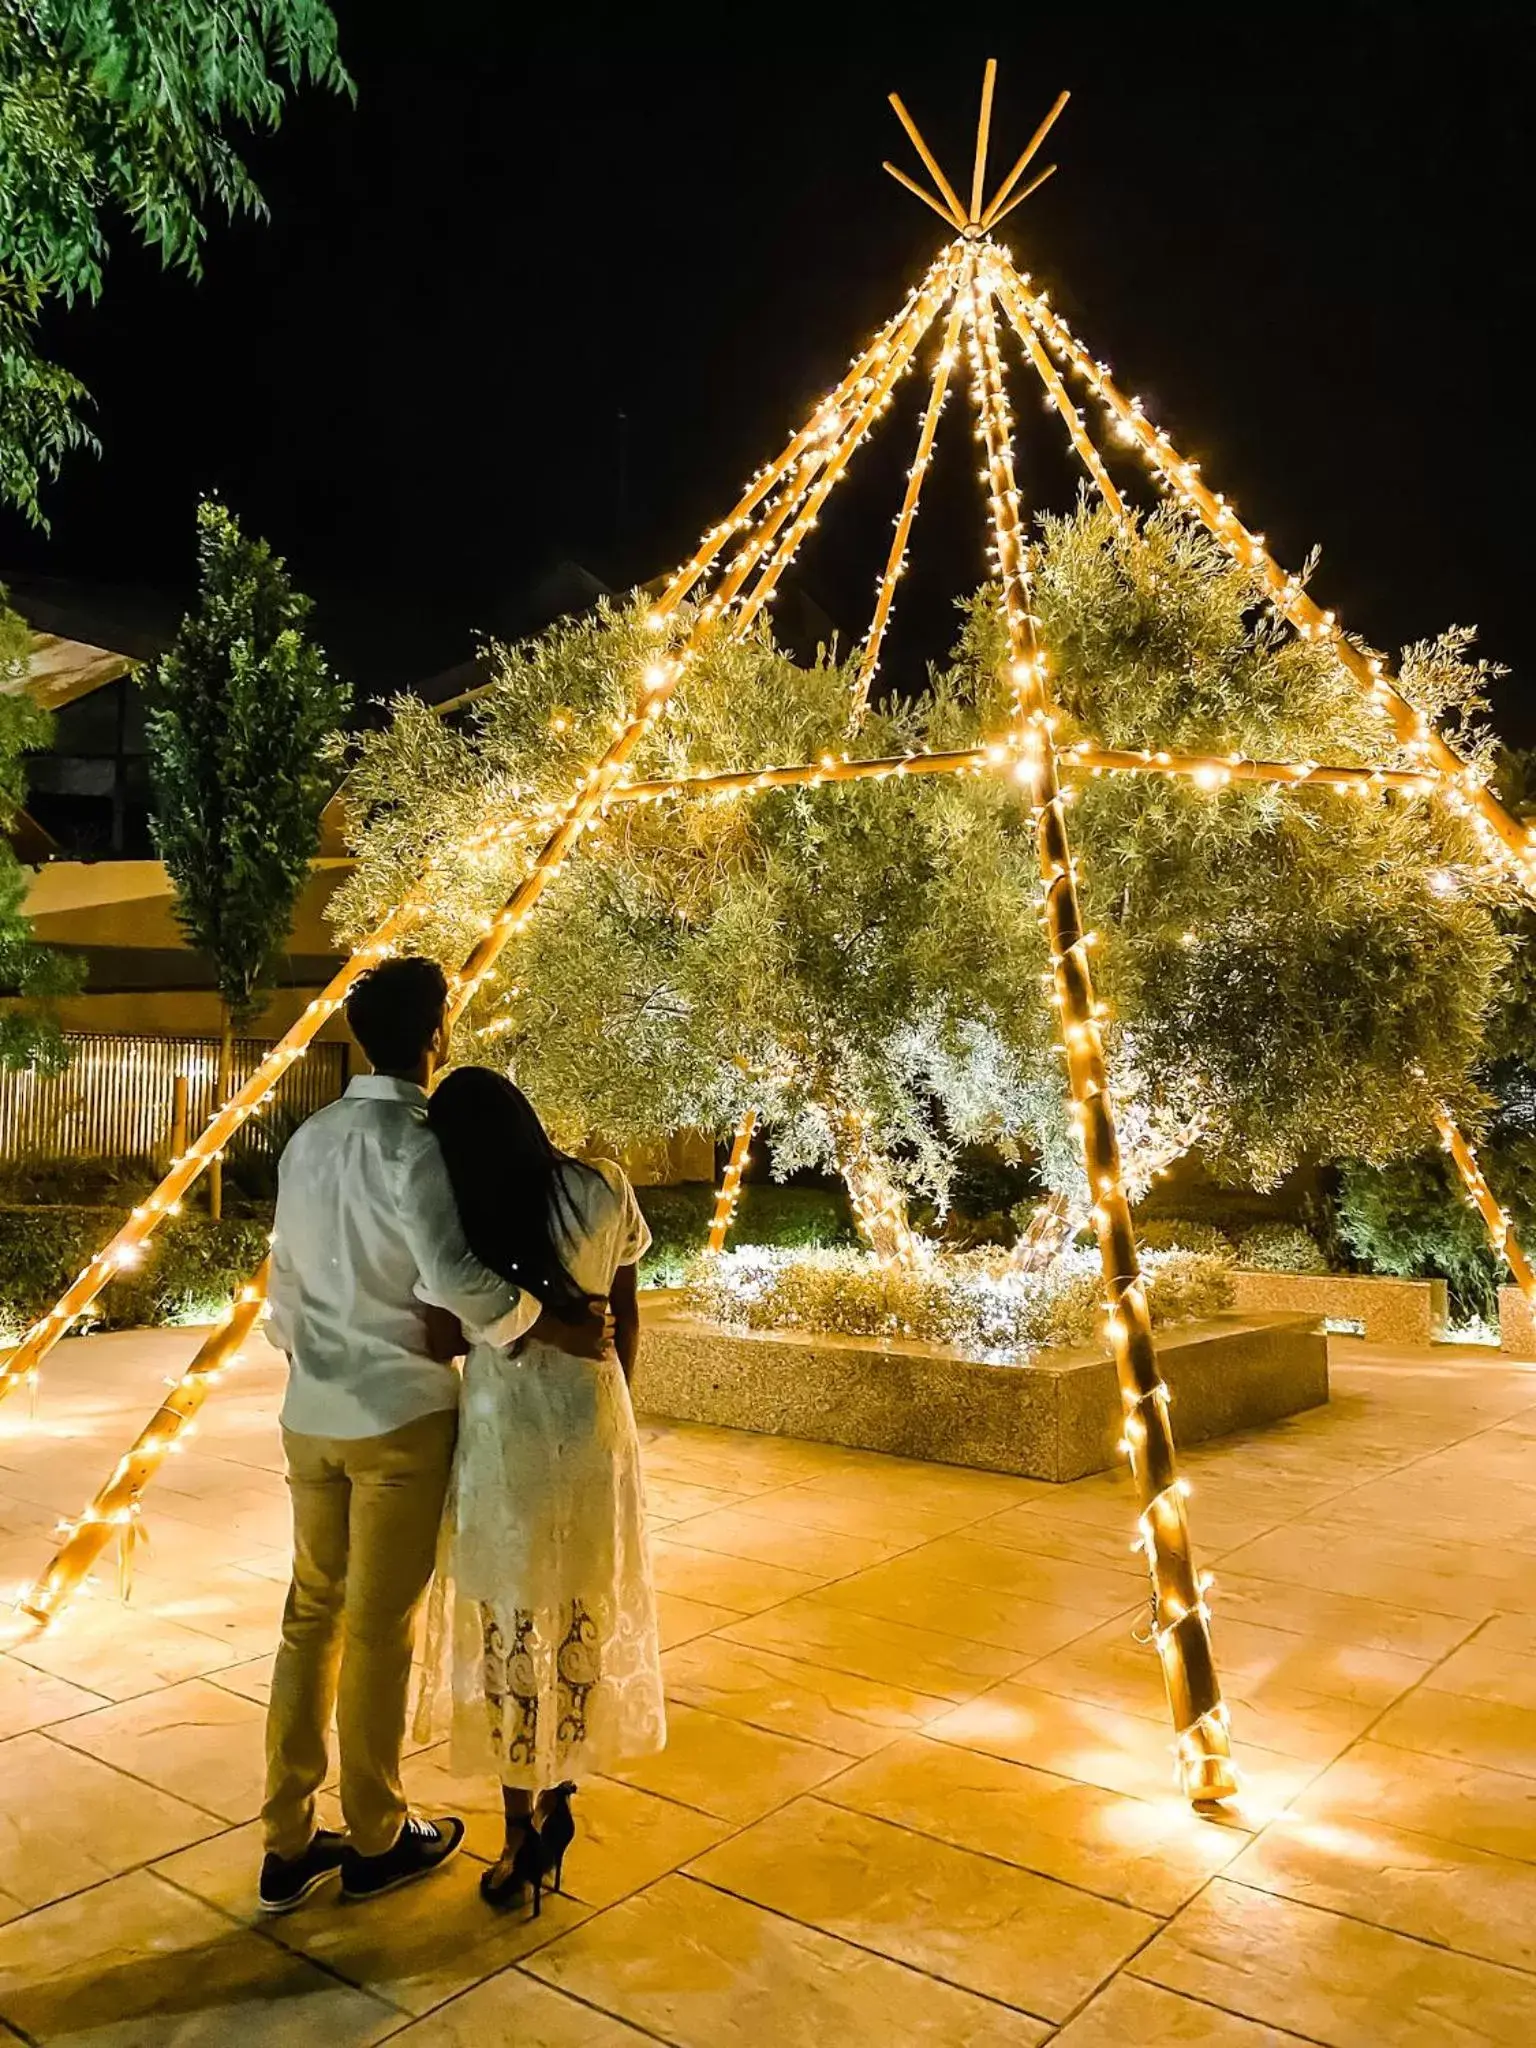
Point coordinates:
[(423, 1846), (287, 1881)]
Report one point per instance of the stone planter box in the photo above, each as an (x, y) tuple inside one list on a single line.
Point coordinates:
[(1058, 1417), (1517, 1324), (1386, 1311)]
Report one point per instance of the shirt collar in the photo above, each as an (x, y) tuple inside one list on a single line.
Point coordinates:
[(386, 1088)]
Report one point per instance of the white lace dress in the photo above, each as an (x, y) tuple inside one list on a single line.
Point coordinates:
[(542, 1626)]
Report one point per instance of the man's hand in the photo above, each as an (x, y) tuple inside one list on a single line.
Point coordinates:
[(445, 1335), (591, 1338)]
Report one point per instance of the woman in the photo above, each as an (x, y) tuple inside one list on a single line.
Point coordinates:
[(544, 1604)]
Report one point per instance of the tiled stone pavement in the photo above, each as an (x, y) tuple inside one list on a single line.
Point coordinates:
[(918, 1787)]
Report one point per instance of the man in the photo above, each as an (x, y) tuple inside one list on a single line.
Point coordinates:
[(367, 1248)]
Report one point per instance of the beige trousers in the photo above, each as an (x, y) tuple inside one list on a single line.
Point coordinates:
[(365, 1521)]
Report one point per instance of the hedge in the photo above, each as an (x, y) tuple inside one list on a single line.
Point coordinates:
[(189, 1274), (680, 1217)]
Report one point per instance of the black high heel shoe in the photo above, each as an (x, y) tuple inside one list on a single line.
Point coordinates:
[(510, 1876), (558, 1831)]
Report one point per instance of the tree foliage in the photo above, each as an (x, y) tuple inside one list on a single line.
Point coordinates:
[(118, 107), (244, 735), (32, 976), (1295, 972)]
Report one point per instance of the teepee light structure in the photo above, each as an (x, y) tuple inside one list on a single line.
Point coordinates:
[(725, 584)]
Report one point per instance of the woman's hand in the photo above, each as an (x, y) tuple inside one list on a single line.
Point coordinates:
[(591, 1338)]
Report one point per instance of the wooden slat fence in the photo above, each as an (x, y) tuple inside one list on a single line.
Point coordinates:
[(114, 1100)]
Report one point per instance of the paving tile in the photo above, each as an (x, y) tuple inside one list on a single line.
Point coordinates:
[(197, 1740), (728, 1768), (138, 1962), (720, 1580), (704, 1970), (1470, 1579), (31, 1699), (1046, 1529), (1094, 1591), (1300, 1698), (988, 1926), (1129, 2011), (907, 1590), (1152, 1854), (948, 1667), (1334, 1979), (1477, 1731), (832, 1708), (117, 1651), (675, 1500), (1431, 1795), (241, 1610), (625, 1838), (426, 1942), (901, 1523), (1317, 1614), (1443, 1892), (679, 1620), (1100, 1745), (735, 1460), (741, 1533), (251, 1680), (78, 1821), (514, 2009), (1482, 1670), (1515, 1632), (906, 1482)]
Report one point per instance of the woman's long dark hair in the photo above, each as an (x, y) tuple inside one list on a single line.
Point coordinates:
[(510, 1183)]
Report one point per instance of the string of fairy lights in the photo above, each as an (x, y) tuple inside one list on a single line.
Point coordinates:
[(115, 1508), (1505, 841), (896, 562), (758, 539), (1180, 1615), (730, 1183)]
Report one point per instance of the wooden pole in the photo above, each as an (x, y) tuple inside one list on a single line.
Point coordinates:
[(1072, 419), (1025, 160), (881, 388), (869, 660), (713, 541), (599, 782), (1019, 198), (115, 1509), (1500, 1230), (126, 1247), (1502, 834), (956, 210), (1179, 1613), (730, 1185), (60, 1582), (1207, 771), (20, 1367), (919, 192), (983, 133)]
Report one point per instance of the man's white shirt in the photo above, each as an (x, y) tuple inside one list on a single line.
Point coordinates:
[(367, 1232)]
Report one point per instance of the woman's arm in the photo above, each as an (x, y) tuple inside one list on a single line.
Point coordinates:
[(624, 1301)]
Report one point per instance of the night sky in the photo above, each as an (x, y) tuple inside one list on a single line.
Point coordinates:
[(552, 291)]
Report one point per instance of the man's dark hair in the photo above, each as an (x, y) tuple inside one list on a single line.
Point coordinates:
[(395, 1011)]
